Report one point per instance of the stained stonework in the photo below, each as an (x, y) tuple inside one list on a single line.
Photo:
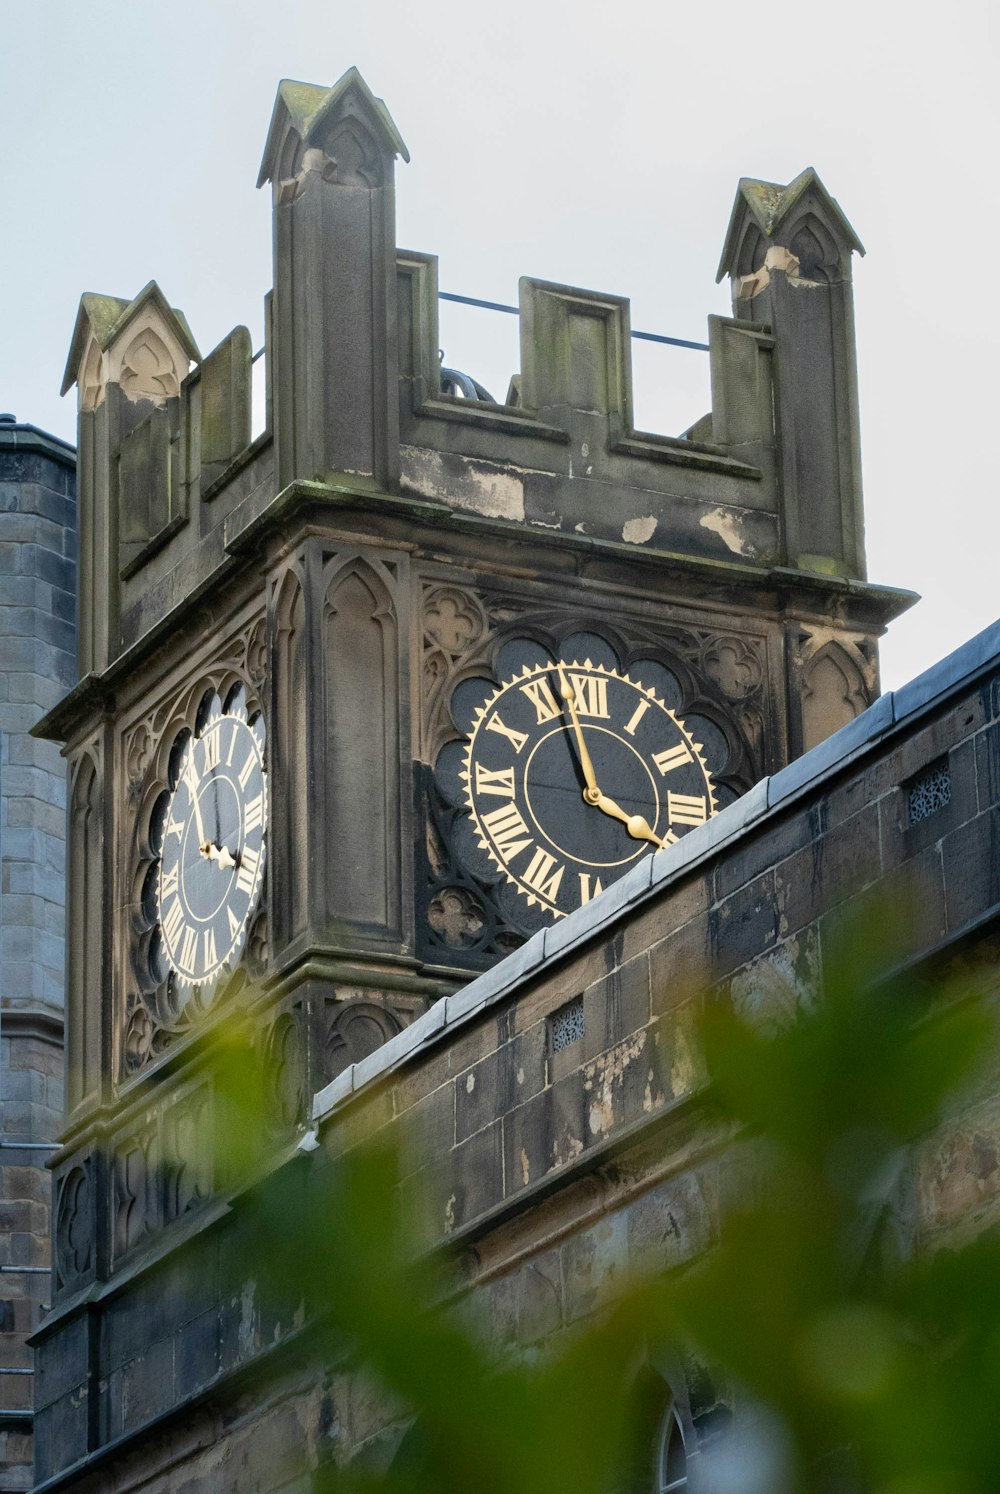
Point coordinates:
[(37, 609)]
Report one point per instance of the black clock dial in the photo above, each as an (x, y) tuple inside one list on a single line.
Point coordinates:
[(571, 773), (212, 847)]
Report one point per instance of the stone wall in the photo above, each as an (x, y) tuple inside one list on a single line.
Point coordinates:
[(552, 1111), (37, 664)]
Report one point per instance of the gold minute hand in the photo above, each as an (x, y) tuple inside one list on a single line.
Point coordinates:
[(591, 792), (637, 827)]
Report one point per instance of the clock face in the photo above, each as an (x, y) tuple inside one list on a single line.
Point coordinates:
[(571, 773), (212, 846)]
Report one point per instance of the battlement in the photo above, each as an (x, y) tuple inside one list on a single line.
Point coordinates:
[(769, 480)]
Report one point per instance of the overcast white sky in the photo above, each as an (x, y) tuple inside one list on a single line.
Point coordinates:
[(596, 144)]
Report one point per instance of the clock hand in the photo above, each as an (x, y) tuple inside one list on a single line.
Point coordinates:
[(222, 854), (591, 792), (637, 827), (192, 785)]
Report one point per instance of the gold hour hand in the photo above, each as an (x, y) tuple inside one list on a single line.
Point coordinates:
[(590, 777), (637, 827)]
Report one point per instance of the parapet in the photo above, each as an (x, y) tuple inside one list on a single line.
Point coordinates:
[(767, 483)]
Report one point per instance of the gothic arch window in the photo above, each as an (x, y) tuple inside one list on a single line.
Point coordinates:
[(671, 1469)]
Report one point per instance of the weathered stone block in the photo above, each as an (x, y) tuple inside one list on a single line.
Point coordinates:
[(539, 1289), (595, 1266), (744, 924), (673, 1221)]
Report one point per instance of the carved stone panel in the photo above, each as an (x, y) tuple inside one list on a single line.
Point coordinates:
[(289, 754), (73, 1225), (360, 655), (837, 680)]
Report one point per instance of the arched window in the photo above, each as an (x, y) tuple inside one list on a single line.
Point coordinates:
[(671, 1456)]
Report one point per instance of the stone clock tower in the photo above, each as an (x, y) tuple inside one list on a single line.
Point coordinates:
[(368, 699)]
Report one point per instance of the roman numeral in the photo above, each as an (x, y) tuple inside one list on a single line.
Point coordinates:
[(234, 923), (188, 947), (189, 774), (209, 957), (175, 827), (590, 694), (637, 716), (674, 757), (254, 814), (517, 738), (501, 782), (687, 809), (539, 876), (505, 826), (540, 694), (212, 746), (586, 891), (248, 869), (169, 883), (172, 921), (233, 734), (247, 769)]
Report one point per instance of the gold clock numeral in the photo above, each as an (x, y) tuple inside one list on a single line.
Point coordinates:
[(233, 734), (174, 827), (170, 883), (673, 757), (506, 826), (210, 957), (188, 947), (212, 748), (247, 769), (254, 813), (248, 869), (539, 692), (234, 923), (499, 782), (636, 717), (586, 891), (172, 921), (590, 693), (539, 876), (687, 809), (516, 738)]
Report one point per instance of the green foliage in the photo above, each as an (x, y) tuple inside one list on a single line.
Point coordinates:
[(871, 1367)]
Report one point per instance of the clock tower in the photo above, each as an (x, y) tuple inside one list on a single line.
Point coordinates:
[(367, 699)]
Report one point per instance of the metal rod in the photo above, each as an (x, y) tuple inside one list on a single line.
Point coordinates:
[(674, 342), (31, 1146), (26, 1270), (6, 1370)]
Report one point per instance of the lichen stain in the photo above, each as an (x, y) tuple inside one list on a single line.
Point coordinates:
[(246, 1332), (638, 531), (604, 1076), (485, 490), (682, 1070), (727, 526), (525, 1168), (449, 1214), (470, 1083), (651, 1101), (565, 1150)]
